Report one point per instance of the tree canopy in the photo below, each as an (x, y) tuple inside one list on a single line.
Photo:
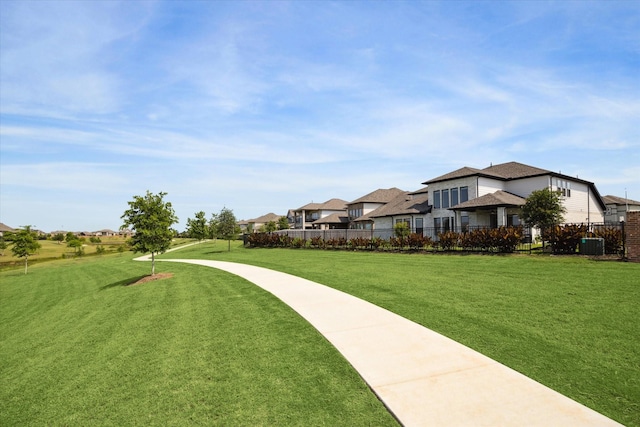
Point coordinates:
[(226, 225), (543, 208), (198, 228), (283, 223), (25, 244), (150, 218)]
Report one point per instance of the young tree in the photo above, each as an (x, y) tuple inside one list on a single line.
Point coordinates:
[(197, 228), (227, 226), (213, 226), (76, 244), (25, 244), (151, 218), (59, 237), (283, 223), (543, 208), (270, 227)]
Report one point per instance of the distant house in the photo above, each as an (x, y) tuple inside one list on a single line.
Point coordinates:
[(492, 196), (307, 215), (257, 223), (359, 209), (105, 233), (6, 229), (617, 208), (410, 208)]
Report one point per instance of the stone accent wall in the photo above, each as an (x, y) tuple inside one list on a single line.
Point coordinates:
[(632, 231)]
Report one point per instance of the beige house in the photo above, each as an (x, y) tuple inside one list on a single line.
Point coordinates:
[(360, 208), (617, 208), (256, 223), (492, 196), (5, 229), (305, 216), (409, 208)]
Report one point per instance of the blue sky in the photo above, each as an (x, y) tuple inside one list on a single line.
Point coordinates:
[(263, 106)]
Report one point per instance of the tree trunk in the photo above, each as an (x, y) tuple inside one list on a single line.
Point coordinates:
[(229, 248), (25, 264), (153, 263)]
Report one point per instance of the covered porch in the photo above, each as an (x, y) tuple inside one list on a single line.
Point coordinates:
[(491, 210)]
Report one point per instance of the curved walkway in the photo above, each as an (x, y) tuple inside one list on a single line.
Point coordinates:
[(423, 378)]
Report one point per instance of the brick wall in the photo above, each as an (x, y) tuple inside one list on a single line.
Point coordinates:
[(632, 231)]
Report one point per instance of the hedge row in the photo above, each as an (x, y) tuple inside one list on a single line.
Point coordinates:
[(565, 239), (502, 239)]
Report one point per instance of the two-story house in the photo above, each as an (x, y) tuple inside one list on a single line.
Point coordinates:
[(411, 208), (305, 216), (617, 208), (492, 197), (360, 208)]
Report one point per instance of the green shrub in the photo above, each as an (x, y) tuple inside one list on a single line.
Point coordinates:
[(564, 239)]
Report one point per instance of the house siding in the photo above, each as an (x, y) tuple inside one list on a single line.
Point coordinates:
[(470, 182), (384, 223), (583, 205), (525, 186), (489, 186)]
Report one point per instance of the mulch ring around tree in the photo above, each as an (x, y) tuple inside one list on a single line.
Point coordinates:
[(150, 278)]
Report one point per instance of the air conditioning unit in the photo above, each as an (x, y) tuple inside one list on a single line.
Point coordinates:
[(592, 246)]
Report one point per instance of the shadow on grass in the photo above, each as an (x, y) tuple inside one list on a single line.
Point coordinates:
[(125, 282)]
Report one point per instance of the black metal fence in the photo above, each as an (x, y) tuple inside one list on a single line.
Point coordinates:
[(590, 239)]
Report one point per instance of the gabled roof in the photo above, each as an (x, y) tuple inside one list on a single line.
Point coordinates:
[(404, 204), (4, 228), (265, 218), (331, 204), (503, 172), (499, 198), (458, 173), (421, 191), (334, 218), (614, 200), (515, 170), (381, 195)]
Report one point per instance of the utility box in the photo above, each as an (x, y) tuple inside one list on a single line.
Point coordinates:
[(592, 246)]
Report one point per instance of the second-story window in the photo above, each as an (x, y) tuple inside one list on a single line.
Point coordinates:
[(436, 199), (464, 194), (445, 198), (454, 196)]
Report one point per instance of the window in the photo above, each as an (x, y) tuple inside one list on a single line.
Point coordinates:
[(446, 223), (464, 194), (445, 198), (454, 196), (513, 220), (436, 199), (464, 222), (564, 187), (419, 225), (437, 224)]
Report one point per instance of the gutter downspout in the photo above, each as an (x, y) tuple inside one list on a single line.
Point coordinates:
[(588, 205)]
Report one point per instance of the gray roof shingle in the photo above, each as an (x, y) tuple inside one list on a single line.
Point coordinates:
[(499, 198)]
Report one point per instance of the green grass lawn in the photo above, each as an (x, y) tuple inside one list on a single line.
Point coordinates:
[(78, 347), (568, 322)]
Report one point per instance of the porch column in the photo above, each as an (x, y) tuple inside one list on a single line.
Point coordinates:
[(458, 224), (304, 224), (502, 216)]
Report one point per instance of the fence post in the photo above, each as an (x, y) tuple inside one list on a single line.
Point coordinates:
[(624, 240)]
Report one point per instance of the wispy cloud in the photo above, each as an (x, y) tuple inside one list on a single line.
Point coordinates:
[(268, 106)]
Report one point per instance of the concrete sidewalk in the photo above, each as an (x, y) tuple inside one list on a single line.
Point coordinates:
[(424, 378)]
